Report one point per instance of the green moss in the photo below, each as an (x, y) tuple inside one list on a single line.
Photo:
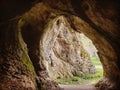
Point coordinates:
[(29, 66), (26, 61), (96, 60), (24, 58), (83, 79)]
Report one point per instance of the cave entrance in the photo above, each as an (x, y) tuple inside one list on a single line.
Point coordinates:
[(70, 56), (92, 70), (91, 77)]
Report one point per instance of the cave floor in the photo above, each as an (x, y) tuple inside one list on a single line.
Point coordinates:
[(76, 87)]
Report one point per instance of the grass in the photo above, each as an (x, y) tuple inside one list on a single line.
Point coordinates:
[(96, 60), (84, 78)]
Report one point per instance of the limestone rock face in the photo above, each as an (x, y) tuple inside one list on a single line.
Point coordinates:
[(63, 50)]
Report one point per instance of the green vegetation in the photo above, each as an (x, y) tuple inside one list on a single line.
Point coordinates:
[(96, 60), (25, 60), (85, 78)]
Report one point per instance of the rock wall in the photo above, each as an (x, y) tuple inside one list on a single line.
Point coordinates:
[(63, 50), (86, 16), (54, 47), (16, 69)]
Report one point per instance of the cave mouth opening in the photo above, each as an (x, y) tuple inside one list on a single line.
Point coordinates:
[(69, 56), (63, 52), (93, 75)]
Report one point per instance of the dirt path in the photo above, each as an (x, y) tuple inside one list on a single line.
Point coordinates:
[(76, 87)]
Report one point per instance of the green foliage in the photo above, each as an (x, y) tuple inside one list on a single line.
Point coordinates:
[(92, 78), (96, 60), (85, 78), (75, 78)]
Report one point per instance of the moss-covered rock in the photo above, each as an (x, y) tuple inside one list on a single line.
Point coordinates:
[(16, 69)]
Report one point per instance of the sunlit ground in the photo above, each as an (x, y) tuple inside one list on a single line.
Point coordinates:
[(85, 78)]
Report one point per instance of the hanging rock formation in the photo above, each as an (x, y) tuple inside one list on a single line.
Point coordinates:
[(23, 39)]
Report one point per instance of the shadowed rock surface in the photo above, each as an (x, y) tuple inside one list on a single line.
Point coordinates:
[(23, 40)]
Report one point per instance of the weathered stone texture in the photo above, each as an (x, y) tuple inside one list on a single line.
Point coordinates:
[(63, 50), (98, 20)]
